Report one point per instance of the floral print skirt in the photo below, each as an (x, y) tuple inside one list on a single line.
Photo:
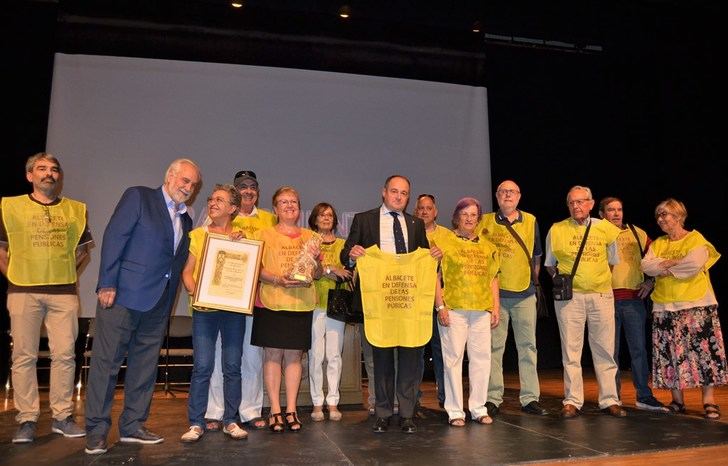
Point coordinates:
[(688, 349)]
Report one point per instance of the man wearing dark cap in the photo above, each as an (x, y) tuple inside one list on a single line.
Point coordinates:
[(250, 219)]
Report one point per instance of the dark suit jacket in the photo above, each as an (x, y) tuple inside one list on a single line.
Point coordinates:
[(137, 252), (365, 232)]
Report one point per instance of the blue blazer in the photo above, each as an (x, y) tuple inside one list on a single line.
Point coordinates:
[(137, 251)]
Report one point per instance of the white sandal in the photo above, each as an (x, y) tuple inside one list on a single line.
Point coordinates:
[(317, 415), (235, 431), (192, 435), (335, 414)]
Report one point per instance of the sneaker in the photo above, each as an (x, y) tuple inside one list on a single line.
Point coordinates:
[(25, 433), (96, 445), (194, 434), (235, 431), (651, 404), (142, 435), (67, 428)]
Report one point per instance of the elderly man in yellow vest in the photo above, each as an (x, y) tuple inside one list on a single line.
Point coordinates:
[(516, 235), (592, 302), (43, 240)]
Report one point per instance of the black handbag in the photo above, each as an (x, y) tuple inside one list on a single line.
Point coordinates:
[(339, 306)]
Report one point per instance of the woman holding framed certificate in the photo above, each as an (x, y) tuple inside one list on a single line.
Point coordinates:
[(207, 322), (283, 311)]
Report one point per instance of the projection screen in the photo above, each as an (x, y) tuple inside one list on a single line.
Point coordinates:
[(118, 122)]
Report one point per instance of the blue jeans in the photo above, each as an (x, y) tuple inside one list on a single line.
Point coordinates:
[(436, 349), (205, 327), (631, 315)]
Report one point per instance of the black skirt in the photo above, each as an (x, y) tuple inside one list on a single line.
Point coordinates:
[(281, 329)]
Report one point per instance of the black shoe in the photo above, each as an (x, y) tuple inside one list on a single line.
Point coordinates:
[(381, 425), (408, 425), (492, 409), (142, 435), (534, 408), (96, 444)]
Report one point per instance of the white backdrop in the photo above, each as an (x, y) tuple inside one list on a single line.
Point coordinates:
[(118, 122)]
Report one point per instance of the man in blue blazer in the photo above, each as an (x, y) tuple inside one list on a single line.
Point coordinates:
[(376, 227), (144, 249)]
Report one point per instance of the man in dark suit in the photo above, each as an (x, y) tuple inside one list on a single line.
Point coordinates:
[(378, 227), (144, 249)]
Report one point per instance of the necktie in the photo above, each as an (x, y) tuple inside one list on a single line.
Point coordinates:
[(398, 235)]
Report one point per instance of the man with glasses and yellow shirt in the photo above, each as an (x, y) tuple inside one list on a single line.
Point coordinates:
[(592, 302)]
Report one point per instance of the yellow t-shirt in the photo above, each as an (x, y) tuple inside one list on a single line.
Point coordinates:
[(397, 294), (252, 225), (515, 270), (593, 274), (42, 240), (468, 269), (627, 274), (330, 254), (673, 289), (279, 254)]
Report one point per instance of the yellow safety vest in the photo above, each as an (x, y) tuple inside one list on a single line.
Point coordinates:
[(42, 240), (515, 270), (468, 269), (593, 274), (397, 294), (627, 274), (331, 258), (279, 254), (673, 289), (252, 225)]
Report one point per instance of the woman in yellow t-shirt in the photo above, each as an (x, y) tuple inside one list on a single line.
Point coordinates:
[(687, 340), (327, 335), (207, 323), (282, 315), (468, 308)]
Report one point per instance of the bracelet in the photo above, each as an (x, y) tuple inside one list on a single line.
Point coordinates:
[(440, 307)]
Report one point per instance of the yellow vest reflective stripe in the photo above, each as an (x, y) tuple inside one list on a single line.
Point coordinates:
[(468, 269), (42, 240), (279, 254), (672, 289), (331, 258), (627, 274), (515, 271), (397, 293), (252, 225), (593, 273)]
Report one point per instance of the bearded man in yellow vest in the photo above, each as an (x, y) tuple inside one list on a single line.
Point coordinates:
[(43, 240), (250, 220), (592, 302), (517, 296), (630, 288)]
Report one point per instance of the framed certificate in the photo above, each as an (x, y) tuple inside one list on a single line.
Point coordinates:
[(228, 275)]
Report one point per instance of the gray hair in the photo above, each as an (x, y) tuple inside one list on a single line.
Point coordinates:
[(582, 188), (176, 165), (30, 163)]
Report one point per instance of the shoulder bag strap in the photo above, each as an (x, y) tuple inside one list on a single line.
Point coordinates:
[(525, 249), (639, 244), (581, 249)]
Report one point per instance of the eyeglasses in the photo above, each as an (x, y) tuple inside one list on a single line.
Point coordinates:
[(218, 200), (505, 192), (663, 214), (577, 202), (287, 202)]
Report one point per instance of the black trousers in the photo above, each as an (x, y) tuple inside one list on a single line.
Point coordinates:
[(406, 378)]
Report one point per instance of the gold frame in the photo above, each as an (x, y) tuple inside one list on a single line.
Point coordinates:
[(250, 254)]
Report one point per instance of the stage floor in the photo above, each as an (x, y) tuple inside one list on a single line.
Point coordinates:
[(515, 437)]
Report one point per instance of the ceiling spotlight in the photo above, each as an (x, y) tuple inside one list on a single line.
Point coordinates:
[(238, 4), (477, 26), (345, 11)]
